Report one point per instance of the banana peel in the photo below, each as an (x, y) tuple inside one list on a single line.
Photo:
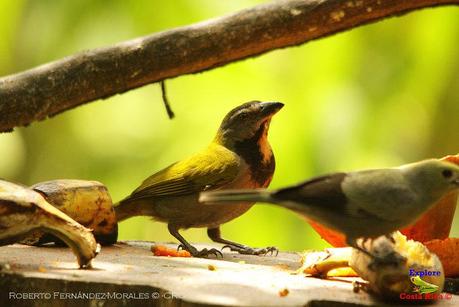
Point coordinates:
[(388, 278), (23, 211), (332, 262), (87, 202)]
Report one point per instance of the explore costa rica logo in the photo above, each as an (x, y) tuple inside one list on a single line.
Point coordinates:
[(422, 286), (423, 290)]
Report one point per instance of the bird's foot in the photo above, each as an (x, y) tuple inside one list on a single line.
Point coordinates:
[(203, 253), (390, 237), (391, 259), (252, 251), (180, 247)]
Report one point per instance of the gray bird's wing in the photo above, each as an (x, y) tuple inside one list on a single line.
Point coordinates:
[(379, 193), (324, 192)]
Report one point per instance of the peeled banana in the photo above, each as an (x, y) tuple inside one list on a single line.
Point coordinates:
[(402, 268), (87, 202), (409, 259), (23, 211)]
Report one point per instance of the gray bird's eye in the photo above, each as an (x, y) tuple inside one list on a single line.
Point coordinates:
[(447, 173)]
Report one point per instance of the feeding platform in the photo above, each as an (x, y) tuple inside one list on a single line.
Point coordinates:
[(128, 274)]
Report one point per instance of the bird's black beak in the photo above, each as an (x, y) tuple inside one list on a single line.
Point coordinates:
[(270, 108)]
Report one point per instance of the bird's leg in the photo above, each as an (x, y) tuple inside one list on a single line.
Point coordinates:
[(215, 235), (173, 230), (353, 243), (390, 237), (390, 259)]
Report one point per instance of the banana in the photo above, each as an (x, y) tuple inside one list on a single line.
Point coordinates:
[(408, 259), (396, 270), (87, 202), (23, 210), (333, 262)]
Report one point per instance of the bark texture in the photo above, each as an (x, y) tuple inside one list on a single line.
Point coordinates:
[(58, 86)]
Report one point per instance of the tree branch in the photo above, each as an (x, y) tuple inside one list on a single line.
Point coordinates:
[(64, 84)]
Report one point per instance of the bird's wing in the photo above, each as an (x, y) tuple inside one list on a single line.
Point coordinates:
[(372, 193), (210, 169), (325, 191), (326, 194), (379, 193)]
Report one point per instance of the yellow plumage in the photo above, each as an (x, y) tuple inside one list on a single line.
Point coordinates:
[(238, 157)]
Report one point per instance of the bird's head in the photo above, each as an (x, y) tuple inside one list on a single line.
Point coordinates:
[(246, 121), (437, 177)]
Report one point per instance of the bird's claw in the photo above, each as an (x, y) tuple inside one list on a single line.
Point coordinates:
[(252, 251), (271, 250), (200, 253), (203, 253), (392, 259)]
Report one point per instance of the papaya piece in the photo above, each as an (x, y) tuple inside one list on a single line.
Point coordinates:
[(447, 250), (161, 250)]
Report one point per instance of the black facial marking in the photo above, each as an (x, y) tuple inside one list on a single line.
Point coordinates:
[(250, 151), (325, 192)]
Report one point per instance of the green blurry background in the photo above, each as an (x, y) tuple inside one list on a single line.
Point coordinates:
[(380, 95)]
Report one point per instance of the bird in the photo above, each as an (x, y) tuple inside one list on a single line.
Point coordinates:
[(361, 204), (239, 157)]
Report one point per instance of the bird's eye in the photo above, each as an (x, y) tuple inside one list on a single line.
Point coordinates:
[(242, 115), (447, 173)]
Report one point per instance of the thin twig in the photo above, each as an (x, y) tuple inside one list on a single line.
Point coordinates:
[(167, 105)]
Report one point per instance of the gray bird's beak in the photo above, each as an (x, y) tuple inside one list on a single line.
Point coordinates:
[(270, 108)]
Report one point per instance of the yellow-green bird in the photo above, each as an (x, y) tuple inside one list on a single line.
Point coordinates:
[(238, 157)]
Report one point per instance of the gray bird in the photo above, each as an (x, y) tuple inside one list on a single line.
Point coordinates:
[(362, 204)]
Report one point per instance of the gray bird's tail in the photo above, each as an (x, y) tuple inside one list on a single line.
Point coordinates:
[(229, 196)]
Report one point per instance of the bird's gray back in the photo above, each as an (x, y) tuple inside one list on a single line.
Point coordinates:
[(383, 193)]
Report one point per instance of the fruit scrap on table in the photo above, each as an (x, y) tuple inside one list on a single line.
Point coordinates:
[(161, 250), (42, 269), (284, 292), (211, 267)]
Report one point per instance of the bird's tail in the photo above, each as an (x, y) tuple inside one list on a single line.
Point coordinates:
[(229, 196)]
